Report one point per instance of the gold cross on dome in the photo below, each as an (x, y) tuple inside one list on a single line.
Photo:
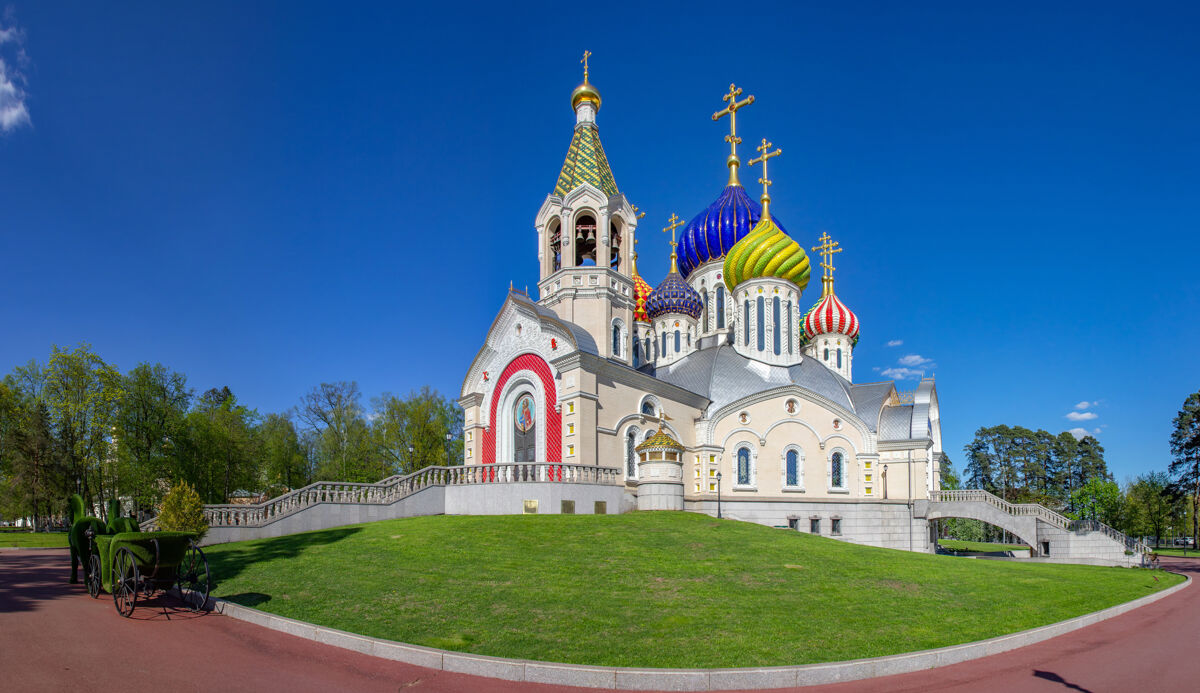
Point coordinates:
[(586, 55), (767, 154), (827, 248), (731, 108), (674, 223)]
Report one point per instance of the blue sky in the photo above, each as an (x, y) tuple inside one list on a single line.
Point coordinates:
[(267, 196)]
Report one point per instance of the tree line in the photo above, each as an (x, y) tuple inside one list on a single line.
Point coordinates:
[(1070, 476), (77, 424)]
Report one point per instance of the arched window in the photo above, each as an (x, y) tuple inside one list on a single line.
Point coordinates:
[(664, 344), (649, 355), (775, 330), (743, 466), (614, 235), (616, 334), (791, 468), (631, 454), (703, 307), (689, 339), (839, 358), (556, 246), (837, 476), (677, 348), (826, 353), (637, 353), (585, 241), (648, 408), (720, 307), (762, 319), (746, 322)]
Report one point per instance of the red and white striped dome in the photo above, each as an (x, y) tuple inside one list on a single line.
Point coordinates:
[(830, 316)]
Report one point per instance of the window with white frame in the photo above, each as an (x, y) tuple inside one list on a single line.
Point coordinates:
[(618, 338), (837, 470), (744, 459), (793, 467), (649, 406), (631, 441)]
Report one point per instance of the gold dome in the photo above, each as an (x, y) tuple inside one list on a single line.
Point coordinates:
[(585, 92)]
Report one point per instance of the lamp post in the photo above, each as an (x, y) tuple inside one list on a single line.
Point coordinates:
[(718, 495), (449, 437), (410, 458)]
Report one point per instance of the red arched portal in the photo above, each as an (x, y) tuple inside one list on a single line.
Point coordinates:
[(552, 418)]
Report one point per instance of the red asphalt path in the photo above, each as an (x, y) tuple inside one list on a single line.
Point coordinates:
[(53, 637)]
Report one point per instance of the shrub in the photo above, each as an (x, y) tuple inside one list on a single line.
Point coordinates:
[(182, 511)]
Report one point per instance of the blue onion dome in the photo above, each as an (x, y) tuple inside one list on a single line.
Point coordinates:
[(711, 234), (674, 295)]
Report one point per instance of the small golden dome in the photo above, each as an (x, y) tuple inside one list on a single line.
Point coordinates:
[(585, 92)]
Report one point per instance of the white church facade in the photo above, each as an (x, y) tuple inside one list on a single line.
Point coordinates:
[(723, 381)]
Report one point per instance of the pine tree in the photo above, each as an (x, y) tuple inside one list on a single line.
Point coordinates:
[(1185, 449)]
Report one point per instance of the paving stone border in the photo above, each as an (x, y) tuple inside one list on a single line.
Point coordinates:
[(634, 679)]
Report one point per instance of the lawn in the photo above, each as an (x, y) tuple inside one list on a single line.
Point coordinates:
[(650, 589), (959, 545), (34, 539), (1185, 551)]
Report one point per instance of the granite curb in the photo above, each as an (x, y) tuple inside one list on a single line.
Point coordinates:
[(634, 679)]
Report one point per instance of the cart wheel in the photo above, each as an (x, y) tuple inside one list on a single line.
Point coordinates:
[(125, 582), (93, 576), (192, 580)]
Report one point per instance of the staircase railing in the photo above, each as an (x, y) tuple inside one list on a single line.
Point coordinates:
[(1041, 512), (397, 487)]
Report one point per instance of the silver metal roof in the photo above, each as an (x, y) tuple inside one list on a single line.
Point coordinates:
[(723, 376), (868, 399), (895, 423)]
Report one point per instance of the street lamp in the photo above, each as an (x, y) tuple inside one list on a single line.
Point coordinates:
[(718, 495), (410, 458), (449, 437)]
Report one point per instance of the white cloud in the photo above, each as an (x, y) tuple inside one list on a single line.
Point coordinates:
[(1085, 405), (1082, 415), (904, 373), (1080, 433), (13, 111), (914, 360), (895, 342)]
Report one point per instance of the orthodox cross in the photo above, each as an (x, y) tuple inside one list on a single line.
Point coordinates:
[(731, 108), (826, 249), (767, 154), (586, 55), (638, 214), (674, 223)]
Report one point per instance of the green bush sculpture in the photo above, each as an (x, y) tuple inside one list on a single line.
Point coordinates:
[(75, 538), (118, 524), (182, 511)]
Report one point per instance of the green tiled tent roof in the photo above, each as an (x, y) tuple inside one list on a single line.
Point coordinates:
[(585, 163)]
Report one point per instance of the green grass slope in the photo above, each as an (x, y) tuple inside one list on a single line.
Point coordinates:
[(49, 540), (650, 589)]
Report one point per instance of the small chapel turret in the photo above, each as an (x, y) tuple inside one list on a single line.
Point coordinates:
[(585, 232), (674, 310), (829, 326)]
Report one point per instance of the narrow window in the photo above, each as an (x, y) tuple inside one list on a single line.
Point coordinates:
[(743, 466), (762, 344), (826, 353), (720, 307), (677, 349), (647, 348), (746, 322), (664, 344), (839, 358), (616, 340), (788, 309), (630, 455), (835, 471), (814, 526), (637, 353), (775, 331), (793, 468), (835, 526), (703, 308), (689, 340)]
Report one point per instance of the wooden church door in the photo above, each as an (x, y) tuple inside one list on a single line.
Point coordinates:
[(525, 430)]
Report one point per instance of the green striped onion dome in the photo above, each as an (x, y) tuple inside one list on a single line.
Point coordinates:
[(766, 252)]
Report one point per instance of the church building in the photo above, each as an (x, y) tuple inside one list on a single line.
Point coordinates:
[(723, 389)]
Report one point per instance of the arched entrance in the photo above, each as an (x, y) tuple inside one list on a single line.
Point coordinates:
[(525, 429)]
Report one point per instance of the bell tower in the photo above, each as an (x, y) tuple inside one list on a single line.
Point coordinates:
[(585, 232)]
